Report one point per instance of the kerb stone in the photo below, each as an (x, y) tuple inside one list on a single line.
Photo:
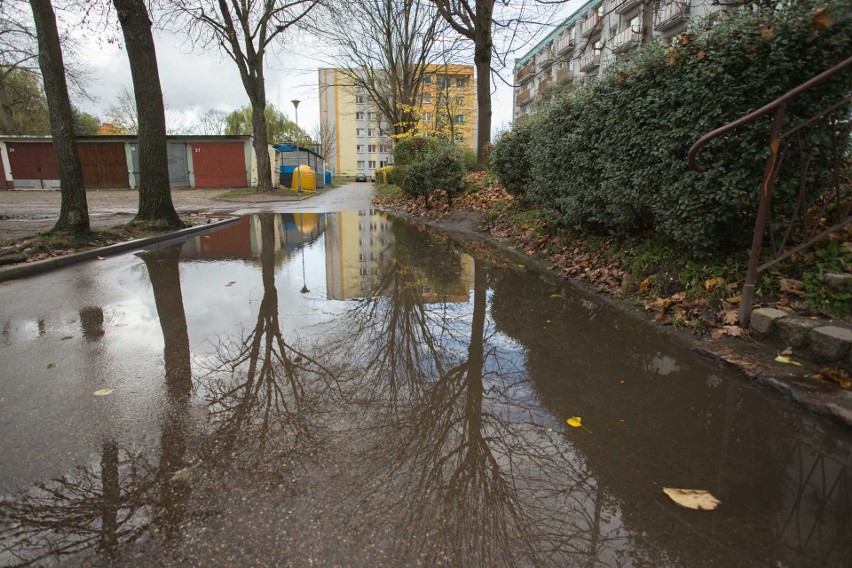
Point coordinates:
[(796, 331), (763, 319), (831, 342)]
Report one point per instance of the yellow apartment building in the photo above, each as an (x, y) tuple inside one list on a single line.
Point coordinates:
[(363, 139)]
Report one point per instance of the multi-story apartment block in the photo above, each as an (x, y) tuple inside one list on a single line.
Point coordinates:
[(363, 137), (593, 36)]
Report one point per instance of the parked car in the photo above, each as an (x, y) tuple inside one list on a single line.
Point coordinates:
[(360, 176)]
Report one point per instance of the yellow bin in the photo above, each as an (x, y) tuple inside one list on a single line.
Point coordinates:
[(304, 178)]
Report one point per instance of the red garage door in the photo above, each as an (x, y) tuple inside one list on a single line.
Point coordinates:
[(104, 164), (219, 164), (32, 161)]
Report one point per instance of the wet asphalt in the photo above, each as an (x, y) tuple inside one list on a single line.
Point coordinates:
[(322, 385)]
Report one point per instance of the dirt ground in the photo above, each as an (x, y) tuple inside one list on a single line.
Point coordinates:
[(24, 213)]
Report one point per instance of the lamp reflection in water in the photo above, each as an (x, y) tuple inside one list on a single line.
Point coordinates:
[(302, 229)]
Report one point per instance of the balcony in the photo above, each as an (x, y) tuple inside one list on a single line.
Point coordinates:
[(588, 25), (624, 5), (545, 58), (522, 97), (670, 15), (566, 43), (626, 39), (590, 60), (525, 73)]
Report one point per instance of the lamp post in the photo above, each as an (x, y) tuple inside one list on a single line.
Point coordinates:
[(298, 165)]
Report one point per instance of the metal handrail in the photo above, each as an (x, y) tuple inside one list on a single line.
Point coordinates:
[(778, 109), (782, 100)]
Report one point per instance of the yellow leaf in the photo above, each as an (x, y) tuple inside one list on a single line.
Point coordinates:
[(713, 283), (697, 499), (783, 359), (575, 422), (556, 296), (102, 392), (822, 19)]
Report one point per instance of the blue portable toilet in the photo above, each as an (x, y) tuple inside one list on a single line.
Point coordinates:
[(328, 180)]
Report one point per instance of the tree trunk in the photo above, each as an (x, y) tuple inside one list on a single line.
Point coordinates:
[(482, 61), (261, 144), (74, 210), (155, 197)]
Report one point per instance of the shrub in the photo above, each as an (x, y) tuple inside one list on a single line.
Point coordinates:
[(509, 159), (383, 175), (406, 151), (611, 158), (396, 175), (441, 168)]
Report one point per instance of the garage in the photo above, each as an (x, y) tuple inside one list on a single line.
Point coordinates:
[(219, 164), (104, 165), (33, 165)]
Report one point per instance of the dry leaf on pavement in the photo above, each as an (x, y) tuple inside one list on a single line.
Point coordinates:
[(697, 499)]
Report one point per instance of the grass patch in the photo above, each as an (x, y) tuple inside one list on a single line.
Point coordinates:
[(388, 191)]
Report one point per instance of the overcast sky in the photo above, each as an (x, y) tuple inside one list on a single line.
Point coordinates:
[(195, 82)]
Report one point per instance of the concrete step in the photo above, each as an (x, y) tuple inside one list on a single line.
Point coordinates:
[(821, 340)]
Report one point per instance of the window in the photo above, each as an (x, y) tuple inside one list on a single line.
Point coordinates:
[(427, 79), (371, 148), (461, 82), (443, 82), (359, 132), (372, 131), (426, 117), (359, 115), (458, 119), (371, 115), (359, 99), (359, 148), (459, 101), (383, 148), (360, 164), (372, 164), (459, 137), (426, 98)]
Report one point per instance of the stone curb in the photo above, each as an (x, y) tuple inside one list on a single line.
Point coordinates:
[(821, 340), (40, 266)]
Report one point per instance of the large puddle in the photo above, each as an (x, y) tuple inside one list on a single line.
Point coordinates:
[(345, 389)]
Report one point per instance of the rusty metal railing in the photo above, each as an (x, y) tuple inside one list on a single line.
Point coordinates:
[(809, 215)]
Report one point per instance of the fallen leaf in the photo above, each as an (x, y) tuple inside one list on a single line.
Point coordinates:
[(697, 499), (714, 283), (51, 365), (791, 286), (821, 19), (181, 475), (729, 317), (783, 359), (767, 30), (733, 330), (787, 351), (101, 258), (556, 296), (102, 392), (229, 284), (575, 422), (837, 376), (66, 337)]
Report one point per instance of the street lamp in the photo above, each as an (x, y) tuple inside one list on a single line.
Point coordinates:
[(298, 165)]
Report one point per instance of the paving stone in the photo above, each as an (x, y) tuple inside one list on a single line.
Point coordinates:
[(831, 342), (762, 319), (796, 331)]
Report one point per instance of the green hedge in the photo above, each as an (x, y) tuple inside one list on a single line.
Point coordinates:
[(611, 158), (440, 168)]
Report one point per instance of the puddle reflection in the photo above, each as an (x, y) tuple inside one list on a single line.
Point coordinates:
[(382, 384)]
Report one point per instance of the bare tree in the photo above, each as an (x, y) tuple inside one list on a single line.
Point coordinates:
[(74, 210), (383, 48), (474, 20), (244, 31), (211, 123), (19, 56), (155, 197), (121, 114), (325, 139)]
